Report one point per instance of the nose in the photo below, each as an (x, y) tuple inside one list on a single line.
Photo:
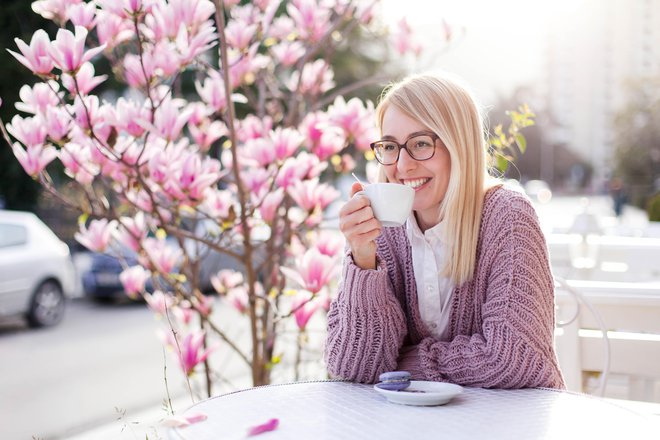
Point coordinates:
[(405, 163)]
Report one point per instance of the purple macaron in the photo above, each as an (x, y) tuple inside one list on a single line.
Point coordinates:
[(394, 380)]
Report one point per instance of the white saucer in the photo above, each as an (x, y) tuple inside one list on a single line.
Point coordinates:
[(422, 393)]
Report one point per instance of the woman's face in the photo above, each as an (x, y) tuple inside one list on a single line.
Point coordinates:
[(429, 178)]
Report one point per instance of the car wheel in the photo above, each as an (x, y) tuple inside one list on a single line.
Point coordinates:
[(47, 306)]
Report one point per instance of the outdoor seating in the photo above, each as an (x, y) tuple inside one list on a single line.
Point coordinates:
[(610, 329)]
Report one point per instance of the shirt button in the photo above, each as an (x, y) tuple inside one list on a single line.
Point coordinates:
[(429, 288), (434, 325)]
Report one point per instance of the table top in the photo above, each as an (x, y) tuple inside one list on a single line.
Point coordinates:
[(344, 410)]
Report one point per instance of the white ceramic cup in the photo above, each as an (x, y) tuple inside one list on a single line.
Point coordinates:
[(391, 202)]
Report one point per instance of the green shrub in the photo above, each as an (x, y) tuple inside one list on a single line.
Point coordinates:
[(653, 208)]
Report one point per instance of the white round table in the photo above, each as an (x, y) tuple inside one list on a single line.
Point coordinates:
[(343, 410)]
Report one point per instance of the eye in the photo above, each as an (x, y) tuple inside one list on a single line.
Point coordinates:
[(389, 147), (421, 143)]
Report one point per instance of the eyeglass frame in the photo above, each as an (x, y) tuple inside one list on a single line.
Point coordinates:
[(403, 146)]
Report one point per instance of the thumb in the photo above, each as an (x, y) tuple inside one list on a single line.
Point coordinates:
[(355, 188)]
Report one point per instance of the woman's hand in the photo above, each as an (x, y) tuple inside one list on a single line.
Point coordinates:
[(360, 227)]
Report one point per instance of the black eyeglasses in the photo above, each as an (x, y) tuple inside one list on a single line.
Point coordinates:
[(420, 146)]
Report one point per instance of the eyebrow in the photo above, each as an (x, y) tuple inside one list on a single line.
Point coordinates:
[(411, 135)]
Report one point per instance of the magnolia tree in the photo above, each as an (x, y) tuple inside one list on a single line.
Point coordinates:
[(244, 155)]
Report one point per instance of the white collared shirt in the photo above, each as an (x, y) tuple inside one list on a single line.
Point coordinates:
[(433, 289)]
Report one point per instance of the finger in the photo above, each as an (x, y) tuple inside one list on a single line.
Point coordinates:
[(357, 186), (353, 205)]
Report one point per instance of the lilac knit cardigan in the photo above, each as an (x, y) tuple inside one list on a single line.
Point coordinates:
[(501, 322)]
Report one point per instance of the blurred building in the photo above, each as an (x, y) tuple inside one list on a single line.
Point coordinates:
[(594, 46)]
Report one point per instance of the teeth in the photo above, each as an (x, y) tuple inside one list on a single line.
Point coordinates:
[(415, 183)]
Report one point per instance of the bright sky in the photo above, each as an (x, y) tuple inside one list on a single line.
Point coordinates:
[(503, 43)]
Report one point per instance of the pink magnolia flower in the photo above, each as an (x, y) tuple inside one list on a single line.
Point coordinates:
[(253, 127), (285, 141), (216, 203), (331, 142), (212, 91), (183, 313), (133, 279), (239, 34), (316, 78), (289, 173), (313, 270), (160, 255), (245, 65), (35, 158), (256, 180), (84, 81), (97, 236), (270, 204), (281, 28), (158, 302), (304, 309), (77, 163), (261, 150), (53, 9), (329, 243), (35, 56), (288, 53), (132, 230), (310, 195), (135, 70), (356, 120), (112, 30), (29, 131), (192, 351), (238, 298), (38, 99), (310, 165), (127, 114), (404, 39), (181, 421), (311, 18), (82, 14), (226, 279), (68, 49), (204, 304), (58, 123), (169, 119), (207, 133), (270, 425)]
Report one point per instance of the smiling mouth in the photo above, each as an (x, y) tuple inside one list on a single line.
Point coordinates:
[(415, 183)]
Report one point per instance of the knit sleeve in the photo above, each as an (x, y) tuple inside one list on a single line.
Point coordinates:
[(514, 348), (366, 325)]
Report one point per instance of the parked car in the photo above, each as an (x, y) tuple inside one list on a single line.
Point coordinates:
[(36, 270), (100, 279)]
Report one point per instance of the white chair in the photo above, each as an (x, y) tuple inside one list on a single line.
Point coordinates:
[(610, 328)]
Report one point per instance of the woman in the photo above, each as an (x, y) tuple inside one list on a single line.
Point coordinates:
[(462, 292)]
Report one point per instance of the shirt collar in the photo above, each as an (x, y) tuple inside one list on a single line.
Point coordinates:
[(432, 235)]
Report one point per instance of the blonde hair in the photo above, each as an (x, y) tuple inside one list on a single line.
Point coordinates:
[(445, 106)]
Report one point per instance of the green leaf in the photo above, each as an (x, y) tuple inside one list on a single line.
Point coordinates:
[(522, 142), (502, 163)]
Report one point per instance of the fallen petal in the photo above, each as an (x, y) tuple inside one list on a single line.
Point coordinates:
[(270, 425), (183, 421)]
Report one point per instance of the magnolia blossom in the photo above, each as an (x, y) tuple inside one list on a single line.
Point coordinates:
[(311, 18), (158, 302), (309, 194), (35, 158), (192, 351), (35, 56), (84, 81), (82, 14), (303, 310), (404, 39), (226, 279), (356, 120), (53, 9), (183, 313), (112, 30), (29, 131), (133, 279), (329, 243), (240, 34), (288, 53), (68, 49), (285, 141), (316, 78), (77, 163), (39, 98), (270, 204), (160, 255), (313, 270), (97, 236), (132, 230)]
